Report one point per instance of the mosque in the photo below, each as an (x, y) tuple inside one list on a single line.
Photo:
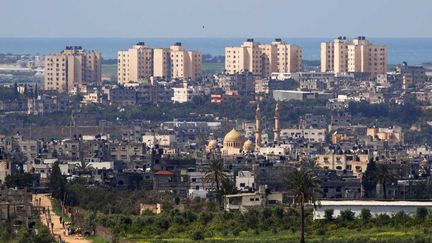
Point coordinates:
[(234, 144)]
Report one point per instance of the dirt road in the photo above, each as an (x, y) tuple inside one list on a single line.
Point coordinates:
[(51, 219)]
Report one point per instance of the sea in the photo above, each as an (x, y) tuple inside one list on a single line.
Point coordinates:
[(414, 51)]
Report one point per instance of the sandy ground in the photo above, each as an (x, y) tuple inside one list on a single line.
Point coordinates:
[(59, 231)]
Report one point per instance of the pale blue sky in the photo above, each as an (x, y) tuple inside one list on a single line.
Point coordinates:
[(220, 18)]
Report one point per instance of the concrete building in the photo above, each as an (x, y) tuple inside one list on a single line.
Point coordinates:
[(356, 56), (141, 62), (135, 64), (308, 134), (357, 163), (245, 181), (161, 140), (184, 94), (375, 207), (287, 95), (71, 67), (263, 59), (176, 62), (244, 201)]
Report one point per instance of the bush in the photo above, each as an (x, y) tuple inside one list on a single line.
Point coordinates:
[(421, 213), (347, 215), (197, 235), (320, 231), (365, 214), (328, 214), (236, 232)]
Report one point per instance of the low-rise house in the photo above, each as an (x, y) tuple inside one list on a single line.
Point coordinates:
[(244, 201)]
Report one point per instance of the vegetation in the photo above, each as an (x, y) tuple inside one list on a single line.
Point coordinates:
[(267, 225), (32, 233), (57, 183), (303, 185)]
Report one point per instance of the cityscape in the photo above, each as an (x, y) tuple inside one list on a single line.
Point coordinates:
[(215, 138)]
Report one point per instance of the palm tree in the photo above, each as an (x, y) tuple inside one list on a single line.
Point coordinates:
[(383, 175), (215, 174), (303, 184)]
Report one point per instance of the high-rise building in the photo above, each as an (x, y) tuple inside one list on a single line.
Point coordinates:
[(71, 67), (263, 59), (176, 62), (141, 62), (135, 64), (358, 55)]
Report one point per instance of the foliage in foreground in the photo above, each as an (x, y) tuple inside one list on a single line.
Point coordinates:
[(268, 225)]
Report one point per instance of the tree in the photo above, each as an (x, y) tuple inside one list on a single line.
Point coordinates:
[(19, 180), (303, 185), (328, 214), (365, 214), (384, 175), (57, 183), (421, 213), (215, 175), (369, 180), (228, 187), (347, 215)]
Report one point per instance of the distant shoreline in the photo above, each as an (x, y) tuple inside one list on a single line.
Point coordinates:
[(414, 51)]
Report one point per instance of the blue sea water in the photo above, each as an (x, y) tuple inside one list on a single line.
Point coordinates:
[(411, 50)]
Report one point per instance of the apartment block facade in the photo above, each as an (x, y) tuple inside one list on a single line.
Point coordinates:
[(355, 56), (135, 63), (263, 59), (141, 62), (71, 67)]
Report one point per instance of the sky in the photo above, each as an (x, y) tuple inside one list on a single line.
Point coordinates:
[(215, 18)]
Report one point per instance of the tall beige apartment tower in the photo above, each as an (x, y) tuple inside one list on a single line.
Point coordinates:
[(135, 64), (263, 59), (71, 67), (141, 61), (176, 62), (358, 55)]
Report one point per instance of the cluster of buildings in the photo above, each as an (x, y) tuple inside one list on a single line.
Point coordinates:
[(172, 155)]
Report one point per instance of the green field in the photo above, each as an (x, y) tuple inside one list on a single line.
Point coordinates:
[(212, 68), (334, 234), (109, 69)]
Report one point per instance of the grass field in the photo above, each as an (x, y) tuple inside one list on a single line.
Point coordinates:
[(109, 69), (212, 68), (374, 234)]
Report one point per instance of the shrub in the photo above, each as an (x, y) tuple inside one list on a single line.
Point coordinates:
[(382, 219), (279, 211), (320, 231), (421, 213), (236, 232), (328, 214), (365, 214), (197, 235), (347, 215), (205, 217)]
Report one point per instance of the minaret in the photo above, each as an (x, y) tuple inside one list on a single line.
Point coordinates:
[(276, 128), (257, 129)]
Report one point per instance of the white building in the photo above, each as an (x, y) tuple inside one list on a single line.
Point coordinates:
[(375, 207), (184, 94), (245, 181), (244, 201), (197, 186), (161, 140), (309, 134)]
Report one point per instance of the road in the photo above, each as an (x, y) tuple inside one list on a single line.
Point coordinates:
[(46, 217)]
